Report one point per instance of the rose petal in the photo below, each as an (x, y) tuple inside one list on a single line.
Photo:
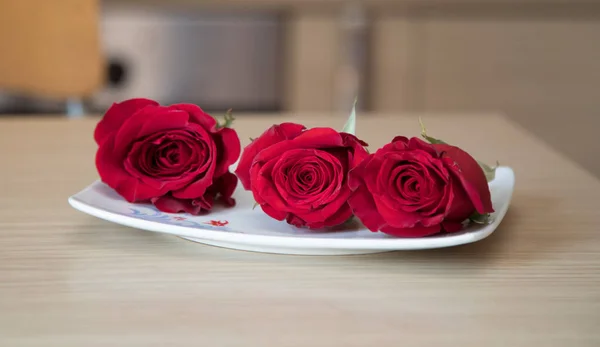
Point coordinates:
[(305, 177), (203, 176), (439, 190), (340, 216), (197, 115), (326, 211), (397, 218), (171, 204), (117, 114), (357, 174), (363, 206), (320, 138), (451, 227), (371, 173), (271, 136), (350, 140), (330, 174), (358, 153), (226, 139), (471, 176), (263, 187), (385, 178), (152, 119), (416, 143), (111, 171), (461, 206), (406, 184), (399, 142), (224, 186), (273, 213), (295, 221), (143, 160), (228, 149), (421, 164)]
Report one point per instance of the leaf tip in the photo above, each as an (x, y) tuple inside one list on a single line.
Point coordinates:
[(350, 126), (482, 219), (228, 119)]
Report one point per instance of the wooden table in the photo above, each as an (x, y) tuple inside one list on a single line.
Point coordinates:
[(68, 279)]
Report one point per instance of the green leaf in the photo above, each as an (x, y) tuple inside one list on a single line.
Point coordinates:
[(430, 139), (490, 172), (480, 218), (350, 126), (227, 120), (349, 220)]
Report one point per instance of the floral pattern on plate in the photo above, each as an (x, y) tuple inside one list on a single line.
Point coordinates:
[(154, 215)]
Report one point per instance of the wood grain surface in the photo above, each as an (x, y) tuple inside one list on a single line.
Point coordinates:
[(68, 279)]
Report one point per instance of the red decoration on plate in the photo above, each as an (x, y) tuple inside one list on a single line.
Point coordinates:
[(217, 223)]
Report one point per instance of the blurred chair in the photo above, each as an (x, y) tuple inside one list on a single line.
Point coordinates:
[(51, 49)]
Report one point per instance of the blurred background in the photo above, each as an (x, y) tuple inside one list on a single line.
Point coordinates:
[(535, 61)]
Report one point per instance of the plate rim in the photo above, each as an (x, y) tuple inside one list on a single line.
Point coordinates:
[(295, 242)]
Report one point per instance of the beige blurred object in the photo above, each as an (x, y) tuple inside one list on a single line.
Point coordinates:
[(478, 61), (50, 48), (311, 61), (70, 280), (326, 58), (336, 4), (538, 65), (393, 83)]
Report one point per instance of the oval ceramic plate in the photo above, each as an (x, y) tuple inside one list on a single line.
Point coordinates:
[(245, 228)]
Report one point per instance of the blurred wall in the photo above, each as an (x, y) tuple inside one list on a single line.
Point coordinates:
[(537, 62)]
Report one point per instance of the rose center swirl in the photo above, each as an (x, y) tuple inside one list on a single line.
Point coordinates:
[(413, 186), (308, 177), (168, 155)]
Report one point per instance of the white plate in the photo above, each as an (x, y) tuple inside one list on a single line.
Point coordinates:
[(243, 228)]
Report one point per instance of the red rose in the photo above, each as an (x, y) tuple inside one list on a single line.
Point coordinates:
[(301, 175), (410, 188), (175, 157)]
